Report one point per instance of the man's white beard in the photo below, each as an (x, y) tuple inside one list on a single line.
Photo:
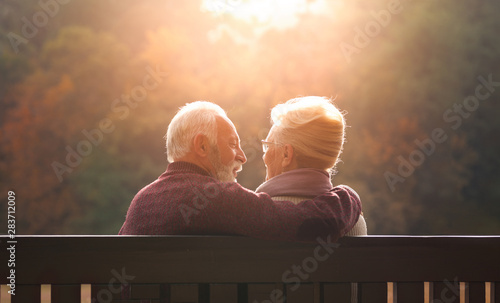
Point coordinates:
[(223, 173)]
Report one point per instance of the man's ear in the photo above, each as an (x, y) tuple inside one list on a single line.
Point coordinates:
[(201, 146), (288, 155)]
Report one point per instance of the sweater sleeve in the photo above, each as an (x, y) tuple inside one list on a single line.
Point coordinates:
[(228, 208)]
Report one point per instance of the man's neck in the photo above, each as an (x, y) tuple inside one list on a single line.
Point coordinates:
[(201, 162)]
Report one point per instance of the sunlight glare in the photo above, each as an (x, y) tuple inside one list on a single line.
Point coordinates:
[(280, 14)]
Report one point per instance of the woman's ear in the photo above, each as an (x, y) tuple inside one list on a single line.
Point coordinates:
[(201, 146), (288, 156)]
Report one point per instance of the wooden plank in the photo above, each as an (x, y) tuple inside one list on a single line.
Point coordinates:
[(410, 292), (27, 293), (319, 293), (303, 293), (447, 291), (240, 260), (372, 292), (464, 292), (126, 291), (105, 293), (242, 292), (428, 292), (132, 301), (392, 292), (65, 293), (203, 293), (223, 293), (165, 293), (477, 292), (4, 294), (489, 292), (184, 293), (337, 292), (86, 293), (265, 292), (497, 291), (45, 293), (145, 291)]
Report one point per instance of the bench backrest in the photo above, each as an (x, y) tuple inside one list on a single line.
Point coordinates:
[(237, 269)]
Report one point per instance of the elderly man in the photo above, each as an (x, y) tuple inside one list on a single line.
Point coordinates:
[(198, 194)]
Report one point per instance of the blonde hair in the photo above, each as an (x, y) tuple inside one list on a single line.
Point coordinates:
[(315, 129), (192, 119)]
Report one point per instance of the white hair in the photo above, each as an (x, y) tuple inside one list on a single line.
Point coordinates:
[(192, 119), (314, 127)]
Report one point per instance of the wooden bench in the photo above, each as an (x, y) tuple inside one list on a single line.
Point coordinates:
[(222, 269)]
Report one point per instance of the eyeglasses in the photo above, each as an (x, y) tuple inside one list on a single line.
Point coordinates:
[(265, 145)]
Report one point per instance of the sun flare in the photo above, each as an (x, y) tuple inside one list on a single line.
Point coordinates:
[(276, 13)]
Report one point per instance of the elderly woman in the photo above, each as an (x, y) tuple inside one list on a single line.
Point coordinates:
[(301, 150)]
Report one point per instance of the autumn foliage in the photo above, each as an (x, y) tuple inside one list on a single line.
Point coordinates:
[(113, 74)]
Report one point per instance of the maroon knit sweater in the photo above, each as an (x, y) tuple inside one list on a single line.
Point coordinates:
[(186, 200)]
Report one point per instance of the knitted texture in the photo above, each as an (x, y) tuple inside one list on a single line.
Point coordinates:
[(302, 184), (186, 200)]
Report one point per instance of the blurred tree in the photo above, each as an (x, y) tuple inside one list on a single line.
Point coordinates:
[(79, 74)]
